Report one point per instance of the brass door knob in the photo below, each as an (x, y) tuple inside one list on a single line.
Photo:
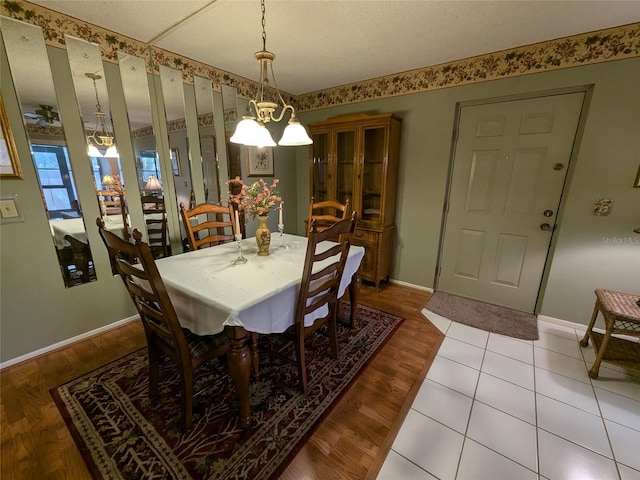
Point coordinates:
[(548, 213), (545, 226)]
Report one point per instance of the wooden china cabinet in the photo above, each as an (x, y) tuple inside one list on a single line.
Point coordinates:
[(355, 157)]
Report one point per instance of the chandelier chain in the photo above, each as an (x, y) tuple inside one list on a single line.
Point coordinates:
[(95, 88), (264, 32)]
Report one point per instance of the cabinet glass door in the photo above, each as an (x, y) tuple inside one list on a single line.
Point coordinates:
[(373, 173), (345, 163), (320, 166)]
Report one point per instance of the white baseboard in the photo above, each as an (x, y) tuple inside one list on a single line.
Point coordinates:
[(411, 285), (563, 323), (68, 341)]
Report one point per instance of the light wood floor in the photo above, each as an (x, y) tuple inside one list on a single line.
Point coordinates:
[(351, 443)]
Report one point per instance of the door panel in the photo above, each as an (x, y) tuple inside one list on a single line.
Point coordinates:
[(503, 179)]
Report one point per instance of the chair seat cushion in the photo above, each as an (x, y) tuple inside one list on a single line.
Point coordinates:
[(200, 345)]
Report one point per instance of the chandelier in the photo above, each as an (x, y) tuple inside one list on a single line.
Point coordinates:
[(100, 138), (251, 130)]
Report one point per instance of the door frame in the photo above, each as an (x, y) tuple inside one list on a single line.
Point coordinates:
[(584, 113)]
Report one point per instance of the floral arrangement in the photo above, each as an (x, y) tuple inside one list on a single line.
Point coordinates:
[(257, 198), (113, 182)]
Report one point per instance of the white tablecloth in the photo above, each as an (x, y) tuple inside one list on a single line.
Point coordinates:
[(209, 292), (72, 226), (75, 227)]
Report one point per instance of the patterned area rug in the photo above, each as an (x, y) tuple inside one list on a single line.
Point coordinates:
[(485, 316), (122, 434)]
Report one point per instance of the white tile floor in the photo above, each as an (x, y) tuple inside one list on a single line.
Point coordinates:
[(493, 407)]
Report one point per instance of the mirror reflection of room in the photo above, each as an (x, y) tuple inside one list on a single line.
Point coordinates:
[(230, 103), (206, 130), (149, 176), (87, 73), (33, 80), (173, 97)]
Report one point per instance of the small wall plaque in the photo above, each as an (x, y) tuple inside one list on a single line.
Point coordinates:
[(9, 209)]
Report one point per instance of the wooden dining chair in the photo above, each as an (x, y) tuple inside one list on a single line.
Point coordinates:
[(109, 202), (323, 267), (165, 336), (327, 212), (155, 216), (217, 228)]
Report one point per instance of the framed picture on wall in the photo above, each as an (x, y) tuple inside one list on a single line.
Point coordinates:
[(9, 163), (260, 162), (175, 162)]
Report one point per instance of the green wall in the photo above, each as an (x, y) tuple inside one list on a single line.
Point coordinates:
[(590, 251), (36, 311)]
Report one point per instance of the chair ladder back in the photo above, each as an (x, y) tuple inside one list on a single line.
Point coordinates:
[(214, 230), (146, 288), (320, 288), (328, 212)]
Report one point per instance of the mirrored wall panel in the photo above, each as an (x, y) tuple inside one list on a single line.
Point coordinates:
[(135, 84), (173, 98), (206, 129), (31, 73), (102, 151), (234, 152)]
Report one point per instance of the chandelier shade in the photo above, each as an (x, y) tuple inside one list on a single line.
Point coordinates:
[(100, 138), (295, 134), (252, 130)]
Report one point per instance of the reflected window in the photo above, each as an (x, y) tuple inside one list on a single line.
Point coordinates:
[(105, 171), (149, 166), (56, 179)]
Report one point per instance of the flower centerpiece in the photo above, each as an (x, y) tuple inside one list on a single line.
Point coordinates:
[(256, 200)]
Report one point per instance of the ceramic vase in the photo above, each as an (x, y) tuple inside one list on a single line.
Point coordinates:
[(263, 236)]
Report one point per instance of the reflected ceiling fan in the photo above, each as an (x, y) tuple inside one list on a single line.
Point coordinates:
[(44, 116)]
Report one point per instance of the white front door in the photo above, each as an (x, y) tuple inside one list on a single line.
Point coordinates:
[(509, 170)]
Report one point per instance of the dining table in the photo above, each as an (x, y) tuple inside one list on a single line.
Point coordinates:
[(211, 293)]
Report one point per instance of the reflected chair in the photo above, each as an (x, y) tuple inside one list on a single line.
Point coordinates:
[(75, 262), (217, 228), (327, 212), (155, 217), (165, 336), (317, 302), (109, 202)]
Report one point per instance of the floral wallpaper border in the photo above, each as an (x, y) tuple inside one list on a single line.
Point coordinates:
[(589, 48)]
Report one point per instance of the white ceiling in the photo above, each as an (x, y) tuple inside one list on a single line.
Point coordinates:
[(325, 43)]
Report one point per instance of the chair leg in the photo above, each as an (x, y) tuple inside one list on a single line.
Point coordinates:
[(354, 291), (302, 366), (253, 346), (186, 379), (333, 333), (154, 371)]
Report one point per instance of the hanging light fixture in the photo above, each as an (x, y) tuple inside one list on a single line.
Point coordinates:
[(252, 130), (100, 138)]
